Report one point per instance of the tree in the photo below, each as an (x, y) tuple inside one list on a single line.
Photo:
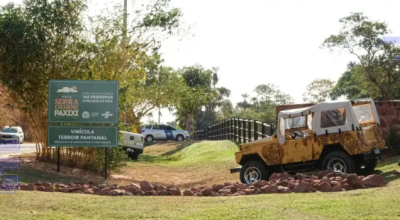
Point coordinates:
[(38, 42), (197, 94), (360, 37), (318, 90), (44, 40), (348, 85)]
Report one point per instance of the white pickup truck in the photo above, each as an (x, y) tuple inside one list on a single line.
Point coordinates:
[(132, 144)]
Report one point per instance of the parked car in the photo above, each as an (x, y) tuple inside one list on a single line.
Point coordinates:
[(12, 134), (163, 132), (131, 143), (340, 136)]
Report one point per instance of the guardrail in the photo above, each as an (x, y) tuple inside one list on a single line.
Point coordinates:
[(237, 129)]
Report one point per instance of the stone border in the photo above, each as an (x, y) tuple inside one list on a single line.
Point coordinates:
[(279, 183)]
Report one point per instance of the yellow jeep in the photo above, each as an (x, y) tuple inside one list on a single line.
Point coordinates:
[(341, 136)]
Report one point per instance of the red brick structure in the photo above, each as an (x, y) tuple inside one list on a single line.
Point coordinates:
[(388, 111)]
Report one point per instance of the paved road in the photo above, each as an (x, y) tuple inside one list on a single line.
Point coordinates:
[(6, 150)]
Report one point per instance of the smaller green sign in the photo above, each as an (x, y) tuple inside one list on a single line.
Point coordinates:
[(80, 136)]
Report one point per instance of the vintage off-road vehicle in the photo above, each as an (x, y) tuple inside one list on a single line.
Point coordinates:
[(341, 136)]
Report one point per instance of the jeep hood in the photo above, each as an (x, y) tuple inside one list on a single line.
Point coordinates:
[(266, 139)]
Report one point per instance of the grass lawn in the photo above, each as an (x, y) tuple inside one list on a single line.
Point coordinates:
[(204, 162)]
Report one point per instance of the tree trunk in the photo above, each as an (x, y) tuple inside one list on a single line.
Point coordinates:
[(189, 123)]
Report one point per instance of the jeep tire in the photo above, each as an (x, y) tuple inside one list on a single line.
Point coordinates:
[(254, 170), (339, 160)]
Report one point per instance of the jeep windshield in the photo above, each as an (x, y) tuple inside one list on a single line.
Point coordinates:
[(363, 113)]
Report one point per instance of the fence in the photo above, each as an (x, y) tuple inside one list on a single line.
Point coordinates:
[(241, 130)]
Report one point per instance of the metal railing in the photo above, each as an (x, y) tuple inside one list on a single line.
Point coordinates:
[(237, 129)]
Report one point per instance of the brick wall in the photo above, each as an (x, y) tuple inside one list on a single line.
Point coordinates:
[(388, 112)]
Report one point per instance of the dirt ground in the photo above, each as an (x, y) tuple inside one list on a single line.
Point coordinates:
[(156, 172)]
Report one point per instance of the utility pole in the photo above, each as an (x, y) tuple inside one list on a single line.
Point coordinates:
[(125, 23)]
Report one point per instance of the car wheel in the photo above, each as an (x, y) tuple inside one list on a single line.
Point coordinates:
[(339, 161), (253, 171), (149, 138), (133, 156), (179, 138)]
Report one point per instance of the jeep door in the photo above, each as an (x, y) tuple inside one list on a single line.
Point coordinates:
[(366, 120), (299, 148)]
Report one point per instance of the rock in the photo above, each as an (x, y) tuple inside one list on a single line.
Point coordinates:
[(150, 193), (338, 178), (139, 193), (336, 188), (315, 182), (228, 184), (131, 189), (336, 183), (38, 183), (146, 186), (301, 176), (40, 188), (354, 181), (324, 187), (323, 173), (206, 191), (269, 189), (162, 192), (174, 191), (216, 188), (88, 191), (292, 185), (46, 184), (29, 187), (188, 193), (60, 185), (280, 176), (284, 183), (347, 187), (397, 173), (160, 187), (302, 187), (251, 191), (373, 181), (224, 191), (260, 183), (49, 188), (282, 189)]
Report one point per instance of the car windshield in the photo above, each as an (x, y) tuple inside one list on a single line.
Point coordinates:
[(9, 130), (363, 113)]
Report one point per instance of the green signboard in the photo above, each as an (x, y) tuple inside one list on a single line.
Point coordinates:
[(80, 101), (81, 136)]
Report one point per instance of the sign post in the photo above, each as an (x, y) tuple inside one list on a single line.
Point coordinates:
[(82, 102)]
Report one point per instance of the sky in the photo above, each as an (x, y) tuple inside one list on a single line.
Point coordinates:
[(257, 42)]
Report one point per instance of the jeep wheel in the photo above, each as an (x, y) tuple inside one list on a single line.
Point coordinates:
[(149, 138), (339, 161), (253, 171)]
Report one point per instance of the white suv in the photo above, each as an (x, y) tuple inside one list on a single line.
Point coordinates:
[(163, 132), (11, 134)]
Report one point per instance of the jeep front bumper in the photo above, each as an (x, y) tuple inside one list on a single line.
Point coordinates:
[(235, 170), (376, 153)]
